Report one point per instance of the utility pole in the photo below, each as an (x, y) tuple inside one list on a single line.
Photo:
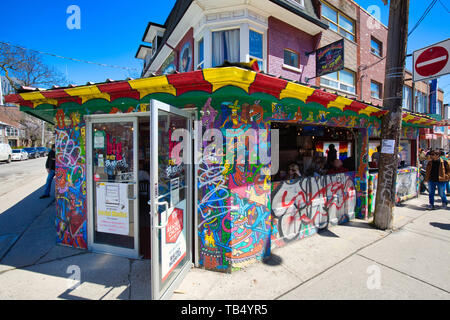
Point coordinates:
[(392, 121)]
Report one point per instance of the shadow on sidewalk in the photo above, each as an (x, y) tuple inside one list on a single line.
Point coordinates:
[(28, 241), (443, 226)]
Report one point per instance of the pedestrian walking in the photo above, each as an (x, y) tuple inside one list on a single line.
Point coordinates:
[(50, 166), (437, 175)]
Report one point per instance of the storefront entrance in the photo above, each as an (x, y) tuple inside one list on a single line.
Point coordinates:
[(140, 190)]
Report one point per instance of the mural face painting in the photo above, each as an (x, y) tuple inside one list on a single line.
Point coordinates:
[(71, 180)]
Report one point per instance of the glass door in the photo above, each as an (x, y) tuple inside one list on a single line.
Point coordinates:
[(113, 189), (170, 199)]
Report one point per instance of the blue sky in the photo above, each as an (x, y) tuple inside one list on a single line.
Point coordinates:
[(111, 32)]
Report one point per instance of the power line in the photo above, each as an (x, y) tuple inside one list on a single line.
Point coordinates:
[(72, 59), (409, 34), (446, 9), (423, 16)]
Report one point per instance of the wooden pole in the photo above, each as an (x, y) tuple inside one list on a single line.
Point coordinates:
[(392, 121)]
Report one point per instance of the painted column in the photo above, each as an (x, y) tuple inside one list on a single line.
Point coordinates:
[(70, 179)]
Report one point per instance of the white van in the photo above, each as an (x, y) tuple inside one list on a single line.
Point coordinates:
[(5, 152)]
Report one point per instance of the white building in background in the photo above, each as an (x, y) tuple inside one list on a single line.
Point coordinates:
[(5, 89)]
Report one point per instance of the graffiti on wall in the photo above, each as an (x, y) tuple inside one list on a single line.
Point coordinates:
[(233, 202), (302, 207), (70, 180), (407, 186)]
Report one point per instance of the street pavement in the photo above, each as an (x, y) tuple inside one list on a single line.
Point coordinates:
[(350, 261)]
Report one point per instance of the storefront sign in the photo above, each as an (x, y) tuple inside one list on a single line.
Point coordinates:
[(173, 244), (330, 59), (388, 147), (112, 208)]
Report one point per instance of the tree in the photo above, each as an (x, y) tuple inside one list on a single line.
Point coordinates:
[(26, 68)]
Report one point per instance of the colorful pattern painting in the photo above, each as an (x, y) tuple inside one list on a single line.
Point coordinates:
[(70, 180), (242, 214)]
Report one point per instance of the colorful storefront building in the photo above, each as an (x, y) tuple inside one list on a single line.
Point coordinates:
[(120, 190)]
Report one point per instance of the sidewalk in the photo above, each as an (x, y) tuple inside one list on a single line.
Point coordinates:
[(413, 262)]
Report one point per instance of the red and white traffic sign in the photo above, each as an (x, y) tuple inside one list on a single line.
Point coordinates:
[(432, 61)]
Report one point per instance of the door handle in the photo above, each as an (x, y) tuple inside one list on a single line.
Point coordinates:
[(166, 205)]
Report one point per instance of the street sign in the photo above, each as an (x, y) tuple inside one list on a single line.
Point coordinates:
[(432, 61)]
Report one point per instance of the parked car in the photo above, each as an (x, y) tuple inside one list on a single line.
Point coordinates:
[(43, 152), (5, 152), (32, 152), (19, 155)]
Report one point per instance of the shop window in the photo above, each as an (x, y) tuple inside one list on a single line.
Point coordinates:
[(225, 46), (343, 80), (201, 54), (338, 22), (256, 47), (376, 47), (310, 148), (375, 90), (291, 58)]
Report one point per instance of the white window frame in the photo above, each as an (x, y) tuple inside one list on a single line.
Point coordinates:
[(245, 24), (200, 64), (338, 88), (338, 14), (380, 90), (250, 57)]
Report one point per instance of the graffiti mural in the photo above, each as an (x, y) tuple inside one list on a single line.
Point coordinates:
[(407, 186), (235, 221), (70, 180), (302, 207)]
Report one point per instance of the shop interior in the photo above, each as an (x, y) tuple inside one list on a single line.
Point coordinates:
[(313, 150), (406, 152)]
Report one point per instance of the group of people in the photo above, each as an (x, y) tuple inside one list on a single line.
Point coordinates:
[(321, 166), (437, 174)]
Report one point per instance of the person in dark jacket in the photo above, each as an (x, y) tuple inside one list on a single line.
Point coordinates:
[(437, 174), (50, 166)]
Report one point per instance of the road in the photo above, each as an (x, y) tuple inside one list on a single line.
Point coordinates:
[(20, 179)]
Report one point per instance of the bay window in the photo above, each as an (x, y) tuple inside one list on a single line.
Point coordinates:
[(225, 46), (256, 48), (201, 54)]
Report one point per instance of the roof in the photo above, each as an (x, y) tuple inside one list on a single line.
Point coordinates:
[(181, 6), (205, 81)]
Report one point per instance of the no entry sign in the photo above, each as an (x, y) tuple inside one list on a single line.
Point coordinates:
[(432, 61)]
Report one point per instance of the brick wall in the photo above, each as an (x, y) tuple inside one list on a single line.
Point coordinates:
[(368, 29), (283, 36)]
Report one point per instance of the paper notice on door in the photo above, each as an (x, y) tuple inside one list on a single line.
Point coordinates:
[(112, 208), (99, 140), (388, 147)]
